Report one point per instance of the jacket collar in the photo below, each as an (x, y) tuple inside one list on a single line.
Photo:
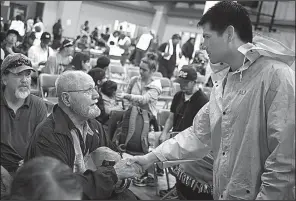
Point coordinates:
[(261, 46)]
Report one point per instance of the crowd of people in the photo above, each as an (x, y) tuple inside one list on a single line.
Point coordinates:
[(241, 136)]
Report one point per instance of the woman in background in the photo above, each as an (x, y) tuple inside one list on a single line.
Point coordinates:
[(45, 178), (80, 62)]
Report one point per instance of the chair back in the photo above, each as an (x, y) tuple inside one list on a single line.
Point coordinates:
[(46, 81), (166, 85), (157, 74)]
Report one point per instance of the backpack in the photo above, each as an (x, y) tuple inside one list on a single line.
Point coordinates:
[(131, 134)]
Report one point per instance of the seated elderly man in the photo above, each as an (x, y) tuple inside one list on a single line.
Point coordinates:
[(21, 111), (71, 134)]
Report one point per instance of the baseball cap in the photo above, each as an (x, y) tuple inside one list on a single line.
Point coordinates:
[(12, 31), (16, 63), (187, 73), (66, 43), (45, 35)]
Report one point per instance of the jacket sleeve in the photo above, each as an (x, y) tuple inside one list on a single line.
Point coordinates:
[(150, 96), (278, 178), (192, 143), (99, 184)]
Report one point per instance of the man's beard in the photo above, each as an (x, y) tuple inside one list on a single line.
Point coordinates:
[(21, 93), (89, 112)]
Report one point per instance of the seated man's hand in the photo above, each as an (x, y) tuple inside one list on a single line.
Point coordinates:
[(126, 169)]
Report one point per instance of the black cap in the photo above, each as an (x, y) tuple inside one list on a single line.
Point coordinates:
[(187, 73), (12, 31), (45, 36), (102, 62), (176, 36)]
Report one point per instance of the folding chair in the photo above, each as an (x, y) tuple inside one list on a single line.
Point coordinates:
[(132, 73), (166, 95), (47, 81), (118, 75)]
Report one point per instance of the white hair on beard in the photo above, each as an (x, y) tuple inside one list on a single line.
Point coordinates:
[(22, 94)]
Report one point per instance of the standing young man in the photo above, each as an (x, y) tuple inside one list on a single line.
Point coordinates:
[(249, 122)]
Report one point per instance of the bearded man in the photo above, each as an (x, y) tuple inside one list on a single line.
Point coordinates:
[(71, 134), (21, 111)]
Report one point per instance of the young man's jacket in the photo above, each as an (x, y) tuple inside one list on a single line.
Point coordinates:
[(53, 138), (249, 124)]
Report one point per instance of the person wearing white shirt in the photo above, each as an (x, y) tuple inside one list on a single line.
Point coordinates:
[(18, 25), (142, 46), (124, 43), (38, 54), (38, 22)]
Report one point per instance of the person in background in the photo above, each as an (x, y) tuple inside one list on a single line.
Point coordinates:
[(9, 43), (103, 63), (185, 105), (188, 48), (39, 54), (99, 77), (95, 35), (200, 62), (81, 62), (60, 61), (170, 54), (113, 39), (57, 30), (71, 134), (30, 24), (144, 90), (124, 43), (84, 29), (21, 111), (19, 26), (38, 35), (38, 22), (142, 46), (105, 36), (82, 43), (26, 44), (249, 122), (108, 92), (45, 178)]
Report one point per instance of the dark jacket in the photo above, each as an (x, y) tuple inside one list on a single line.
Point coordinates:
[(53, 138)]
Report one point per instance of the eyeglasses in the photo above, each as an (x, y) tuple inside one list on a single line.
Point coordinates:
[(86, 91)]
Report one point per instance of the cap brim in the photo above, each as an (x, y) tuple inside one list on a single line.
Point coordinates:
[(182, 80), (20, 69)]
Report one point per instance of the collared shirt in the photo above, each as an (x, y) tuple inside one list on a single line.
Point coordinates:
[(17, 129), (37, 54), (250, 127)]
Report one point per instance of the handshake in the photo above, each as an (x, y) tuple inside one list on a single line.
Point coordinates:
[(129, 167)]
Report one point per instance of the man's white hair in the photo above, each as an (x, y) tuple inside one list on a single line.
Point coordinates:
[(70, 80)]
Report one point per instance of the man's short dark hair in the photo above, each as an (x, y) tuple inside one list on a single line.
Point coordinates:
[(226, 13)]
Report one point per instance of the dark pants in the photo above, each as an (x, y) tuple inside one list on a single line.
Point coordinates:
[(186, 193), (138, 57), (166, 71), (123, 58)]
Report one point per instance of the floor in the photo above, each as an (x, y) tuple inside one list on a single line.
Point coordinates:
[(149, 193)]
